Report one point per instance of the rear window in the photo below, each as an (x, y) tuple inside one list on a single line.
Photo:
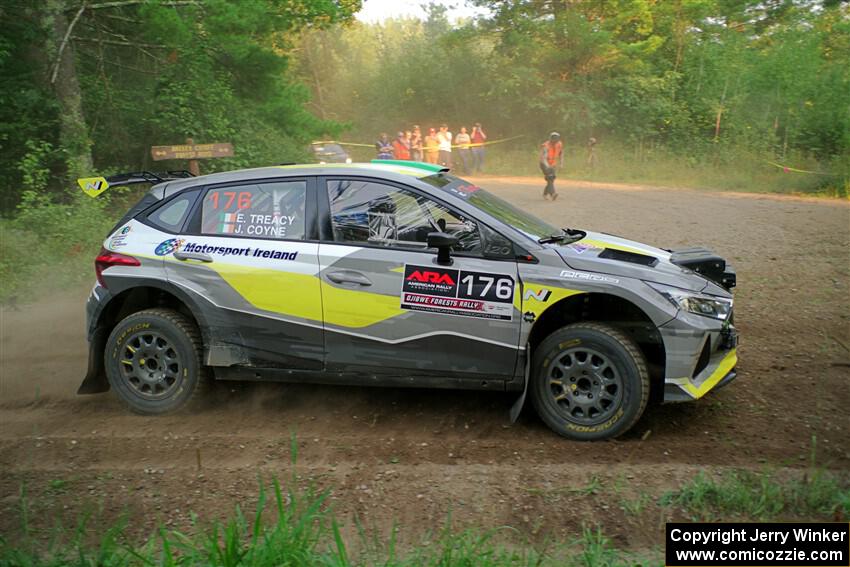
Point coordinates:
[(146, 202), (171, 215)]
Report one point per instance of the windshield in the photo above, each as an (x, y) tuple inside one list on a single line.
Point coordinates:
[(521, 221)]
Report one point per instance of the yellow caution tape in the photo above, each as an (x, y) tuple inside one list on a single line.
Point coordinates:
[(786, 169), (470, 145)]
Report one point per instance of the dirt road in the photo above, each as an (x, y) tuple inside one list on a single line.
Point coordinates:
[(412, 456)]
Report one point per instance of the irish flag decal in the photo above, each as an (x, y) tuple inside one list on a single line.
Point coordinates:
[(227, 223)]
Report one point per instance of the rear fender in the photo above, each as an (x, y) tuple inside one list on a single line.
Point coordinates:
[(111, 312)]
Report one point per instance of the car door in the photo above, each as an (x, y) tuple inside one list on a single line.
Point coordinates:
[(390, 308), (249, 257)]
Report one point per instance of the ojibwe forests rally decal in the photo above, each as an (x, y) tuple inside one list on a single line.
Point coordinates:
[(458, 292)]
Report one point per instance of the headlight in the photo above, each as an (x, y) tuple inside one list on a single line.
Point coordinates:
[(348, 160), (696, 303)]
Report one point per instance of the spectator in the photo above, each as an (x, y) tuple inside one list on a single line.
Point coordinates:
[(551, 157), (401, 147), (384, 147), (591, 153), (478, 139), (432, 146), (462, 141), (444, 139), (416, 144)]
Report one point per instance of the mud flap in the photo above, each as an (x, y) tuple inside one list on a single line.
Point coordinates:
[(516, 409), (95, 381)]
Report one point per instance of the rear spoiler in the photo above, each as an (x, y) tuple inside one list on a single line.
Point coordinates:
[(94, 186)]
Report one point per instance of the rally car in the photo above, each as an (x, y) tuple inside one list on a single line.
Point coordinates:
[(397, 274), (329, 152)]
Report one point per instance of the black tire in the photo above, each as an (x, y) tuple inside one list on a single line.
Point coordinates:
[(153, 361), (589, 381)]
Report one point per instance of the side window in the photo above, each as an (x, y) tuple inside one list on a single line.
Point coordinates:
[(496, 246), (372, 213), (265, 210), (171, 215)]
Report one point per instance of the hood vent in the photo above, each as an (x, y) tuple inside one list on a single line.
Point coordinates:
[(631, 257)]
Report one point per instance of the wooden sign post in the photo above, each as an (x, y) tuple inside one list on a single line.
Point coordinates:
[(192, 152)]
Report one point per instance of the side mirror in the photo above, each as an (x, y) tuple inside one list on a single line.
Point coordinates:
[(443, 242)]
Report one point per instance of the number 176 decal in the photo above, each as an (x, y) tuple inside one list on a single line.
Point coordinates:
[(458, 292)]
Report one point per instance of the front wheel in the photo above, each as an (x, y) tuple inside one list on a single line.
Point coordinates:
[(589, 381), (153, 361)]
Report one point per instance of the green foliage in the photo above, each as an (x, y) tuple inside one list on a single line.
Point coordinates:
[(149, 73), (35, 174), (154, 73), (28, 112), (744, 494), (296, 528)]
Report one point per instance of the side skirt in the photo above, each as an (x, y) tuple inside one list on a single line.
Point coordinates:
[(250, 374)]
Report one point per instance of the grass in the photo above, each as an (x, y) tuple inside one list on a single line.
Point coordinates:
[(761, 496), (296, 528)]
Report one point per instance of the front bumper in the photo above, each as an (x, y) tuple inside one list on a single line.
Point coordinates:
[(719, 372), (701, 356)]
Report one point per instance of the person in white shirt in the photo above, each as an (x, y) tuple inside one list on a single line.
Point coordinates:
[(462, 141), (444, 137)]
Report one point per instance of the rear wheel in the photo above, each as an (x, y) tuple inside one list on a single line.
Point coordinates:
[(589, 381), (153, 361)]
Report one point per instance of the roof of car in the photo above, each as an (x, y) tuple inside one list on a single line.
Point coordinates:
[(385, 167)]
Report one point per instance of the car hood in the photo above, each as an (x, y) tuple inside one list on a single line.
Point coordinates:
[(608, 254)]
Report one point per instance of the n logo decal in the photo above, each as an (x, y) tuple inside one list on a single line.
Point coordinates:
[(542, 295), (93, 186)]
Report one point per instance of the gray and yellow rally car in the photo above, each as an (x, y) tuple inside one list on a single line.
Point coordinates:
[(398, 274)]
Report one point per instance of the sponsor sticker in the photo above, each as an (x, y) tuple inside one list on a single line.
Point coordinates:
[(93, 186), (175, 244), (580, 248), (118, 240), (541, 295), (463, 191), (168, 246), (446, 291), (588, 277)]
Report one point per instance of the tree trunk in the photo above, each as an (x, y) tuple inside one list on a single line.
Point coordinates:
[(74, 134)]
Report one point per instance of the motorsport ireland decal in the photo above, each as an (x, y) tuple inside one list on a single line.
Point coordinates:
[(177, 244), (457, 292)]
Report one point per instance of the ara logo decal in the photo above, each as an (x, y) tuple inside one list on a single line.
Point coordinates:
[(431, 280), (541, 295), (169, 246), (431, 277)]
